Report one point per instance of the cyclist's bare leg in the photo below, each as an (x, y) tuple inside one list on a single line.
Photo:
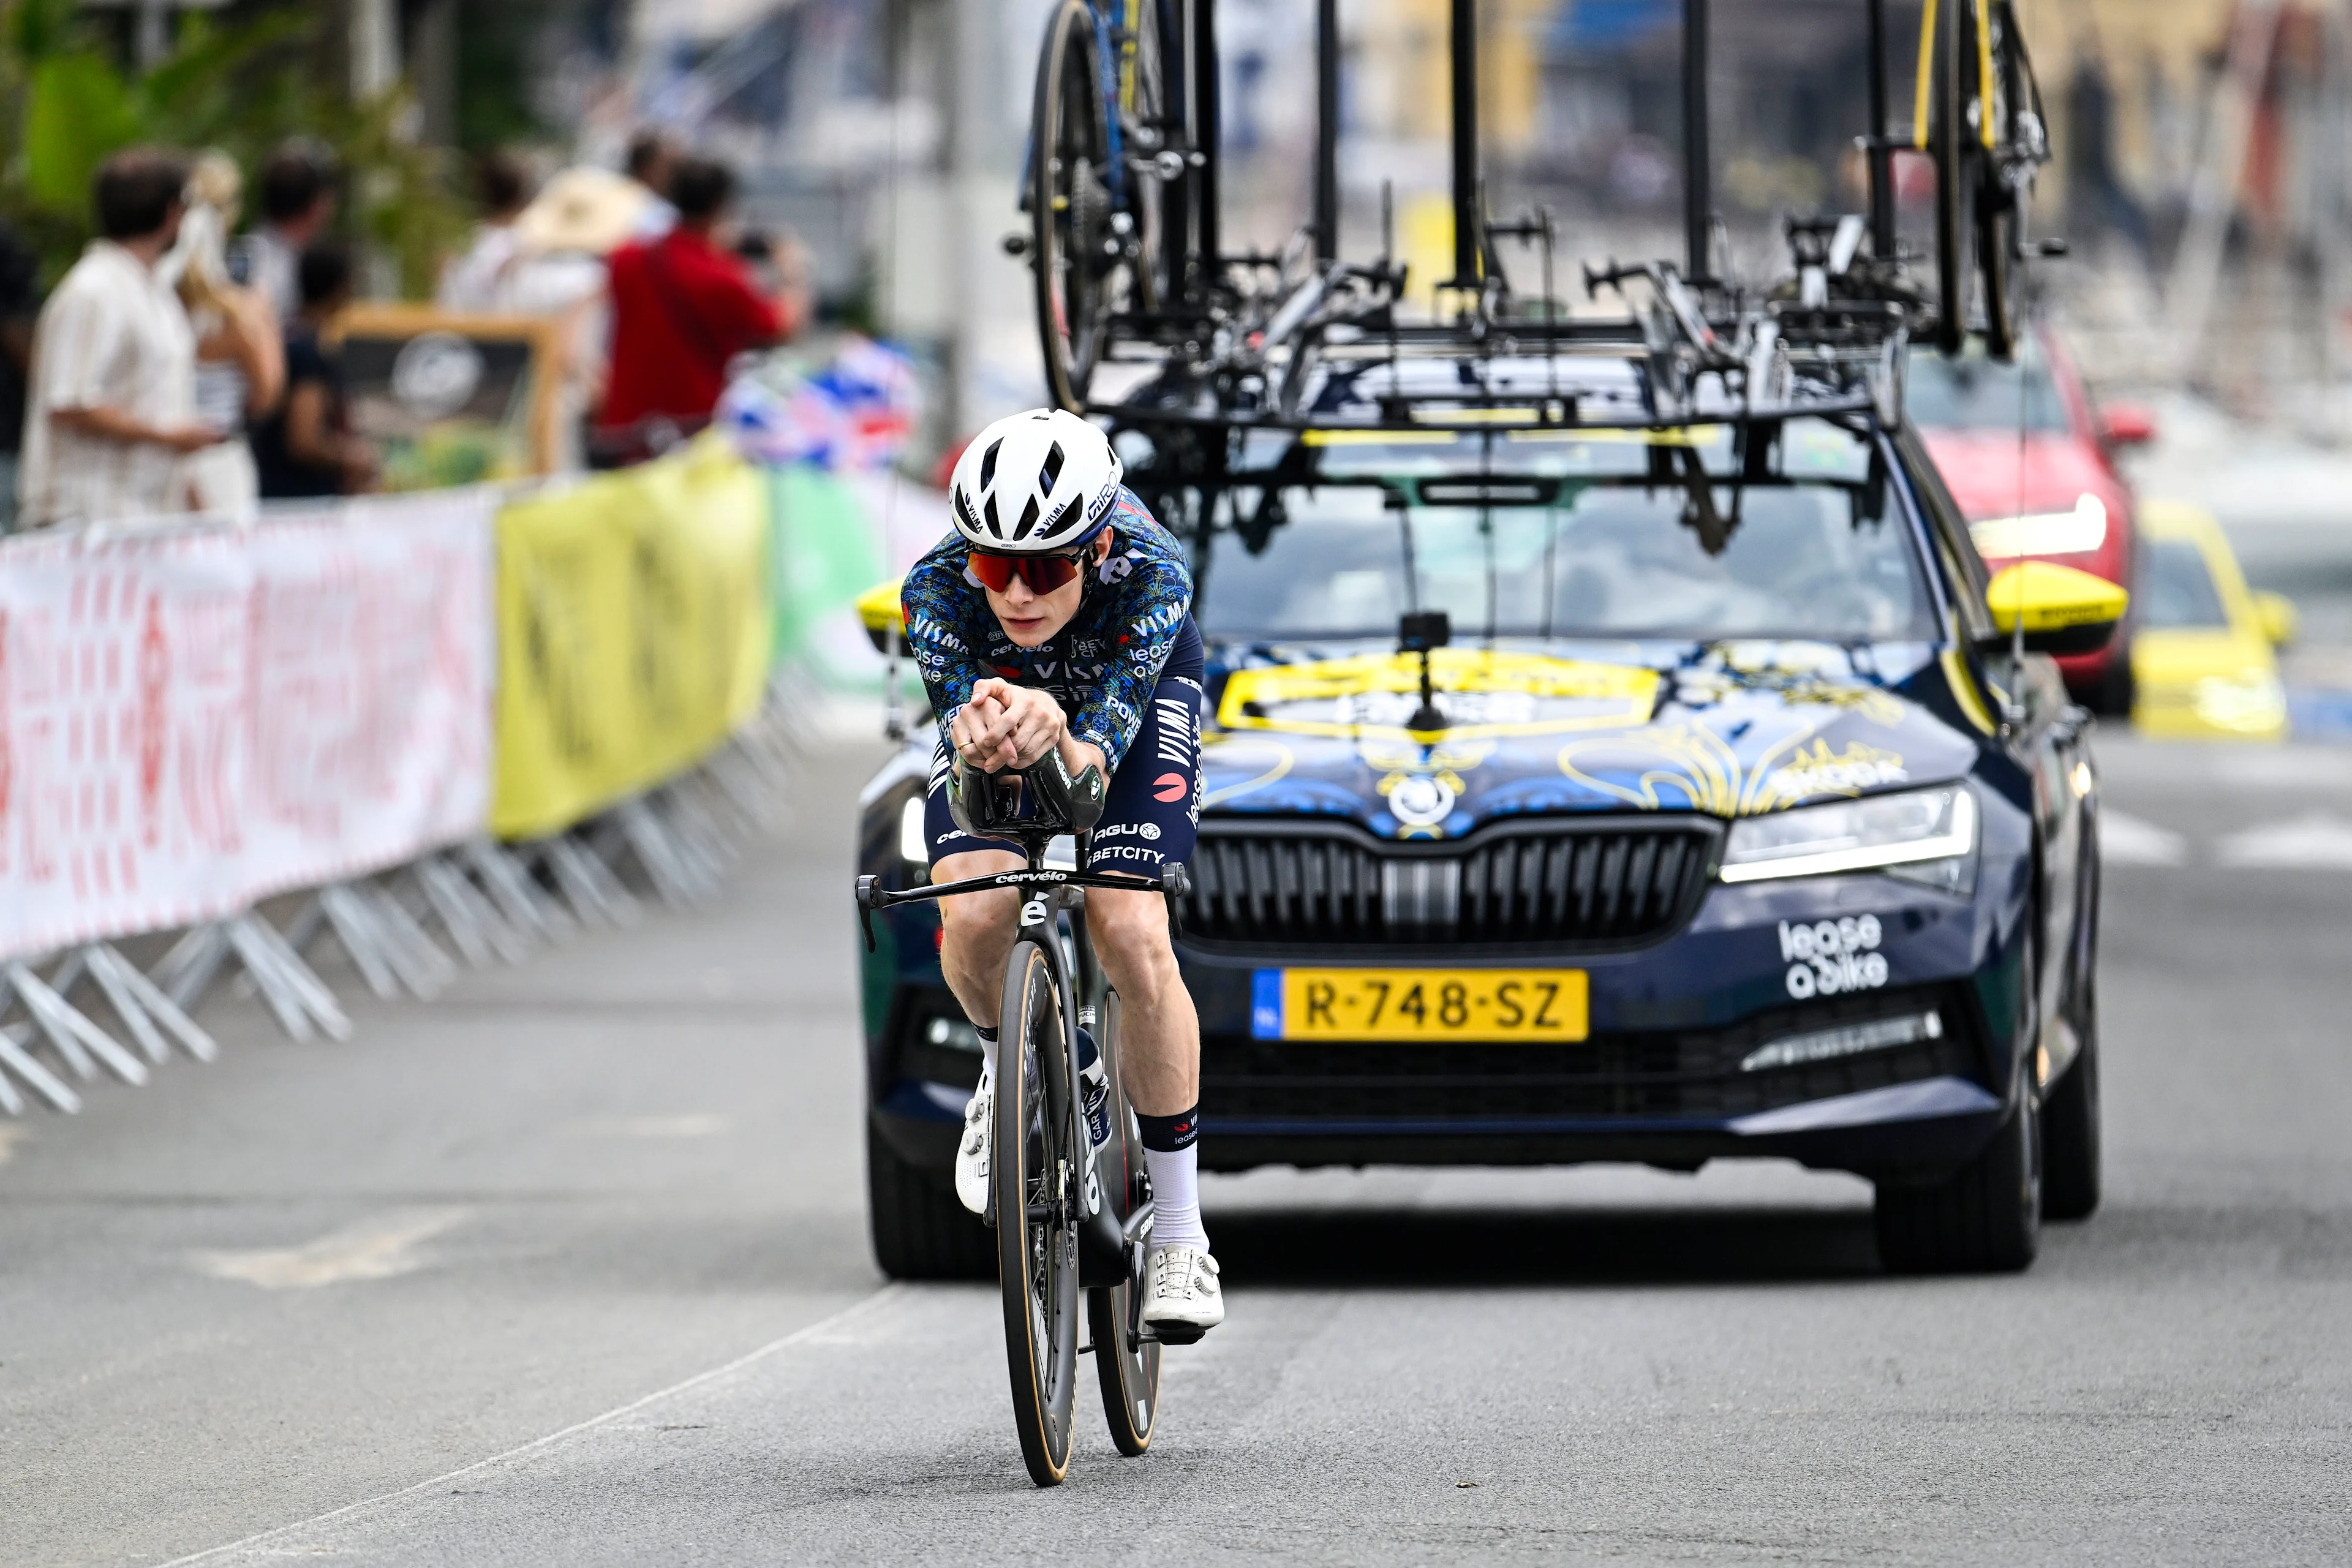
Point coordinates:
[(978, 932), (1160, 1034)]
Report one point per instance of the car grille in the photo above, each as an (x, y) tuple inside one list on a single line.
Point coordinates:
[(1670, 1074), (1560, 884)]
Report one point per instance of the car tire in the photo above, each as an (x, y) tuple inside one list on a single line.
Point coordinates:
[(2070, 1127), (920, 1230), (1985, 1220), (2116, 692), (1986, 1217)]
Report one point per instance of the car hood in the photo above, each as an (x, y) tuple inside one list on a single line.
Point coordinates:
[(1729, 729), (1993, 474)]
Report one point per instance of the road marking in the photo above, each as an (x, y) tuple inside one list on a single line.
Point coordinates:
[(2313, 842), (704, 1124), (2129, 841), (378, 1249), (797, 1336)]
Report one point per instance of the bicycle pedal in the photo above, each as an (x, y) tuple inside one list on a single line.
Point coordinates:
[(1174, 1334)]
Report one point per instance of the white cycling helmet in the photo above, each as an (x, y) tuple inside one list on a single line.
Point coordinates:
[(1034, 483)]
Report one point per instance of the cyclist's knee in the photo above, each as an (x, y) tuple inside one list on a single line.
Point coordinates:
[(978, 917), (1130, 933)]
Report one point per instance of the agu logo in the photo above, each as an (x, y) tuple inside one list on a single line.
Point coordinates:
[(1169, 786)]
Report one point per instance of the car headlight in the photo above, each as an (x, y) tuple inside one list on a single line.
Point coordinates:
[(1873, 833), (2253, 704), (2075, 532)]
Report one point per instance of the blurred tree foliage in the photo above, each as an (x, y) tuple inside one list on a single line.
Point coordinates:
[(242, 86)]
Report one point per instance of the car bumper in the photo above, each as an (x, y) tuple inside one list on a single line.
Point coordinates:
[(1663, 1076)]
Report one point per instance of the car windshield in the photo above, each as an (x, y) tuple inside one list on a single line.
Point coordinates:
[(2176, 587), (1614, 557), (1974, 393)]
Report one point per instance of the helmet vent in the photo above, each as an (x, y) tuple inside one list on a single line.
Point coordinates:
[(994, 527), (988, 463), (1050, 471), (1028, 520)]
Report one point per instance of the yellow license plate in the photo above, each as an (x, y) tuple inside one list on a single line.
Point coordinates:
[(1511, 1004)]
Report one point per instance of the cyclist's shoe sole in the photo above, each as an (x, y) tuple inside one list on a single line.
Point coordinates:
[(972, 1153), (1182, 1297)]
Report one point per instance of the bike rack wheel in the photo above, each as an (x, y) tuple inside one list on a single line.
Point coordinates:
[(1035, 1169), (1129, 1376), (1149, 123), (1070, 203), (2000, 205), (1951, 48)]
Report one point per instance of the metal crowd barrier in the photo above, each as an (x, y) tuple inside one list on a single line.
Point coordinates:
[(491, 902)]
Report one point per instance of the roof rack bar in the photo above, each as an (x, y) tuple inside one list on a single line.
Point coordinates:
[(1327, 130), (1469, 231), (1698, 191)]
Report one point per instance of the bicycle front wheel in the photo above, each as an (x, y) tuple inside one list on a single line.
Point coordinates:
[(1036, 1171), (1952, 139)]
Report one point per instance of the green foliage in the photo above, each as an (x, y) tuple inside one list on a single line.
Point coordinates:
[(242, 87)]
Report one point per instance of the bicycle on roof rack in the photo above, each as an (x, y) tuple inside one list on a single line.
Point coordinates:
[(1121, 190)]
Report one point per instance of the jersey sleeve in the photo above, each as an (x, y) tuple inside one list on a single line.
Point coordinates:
[(937, 604), (1151, 596)]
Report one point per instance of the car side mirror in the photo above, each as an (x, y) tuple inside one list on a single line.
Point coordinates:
[(2126, 425), (878, 612), (2275, 613), (2060, 610)]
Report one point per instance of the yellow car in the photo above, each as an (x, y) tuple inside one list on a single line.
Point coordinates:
[(2204, 658)]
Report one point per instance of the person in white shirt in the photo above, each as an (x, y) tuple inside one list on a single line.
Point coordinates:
[(481, 282), (110, 411)]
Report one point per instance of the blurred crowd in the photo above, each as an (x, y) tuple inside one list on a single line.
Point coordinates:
[(183, 364)]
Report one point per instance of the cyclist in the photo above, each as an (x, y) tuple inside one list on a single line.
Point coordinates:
[(1058, 616)]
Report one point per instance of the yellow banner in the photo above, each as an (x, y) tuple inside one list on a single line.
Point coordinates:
[(634, 628)]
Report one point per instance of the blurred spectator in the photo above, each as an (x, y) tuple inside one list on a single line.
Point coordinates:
[(298, 202), (20, 303), (481, 281), (240, 356), (307, 448), (683, 307), (111, 409), (652, 162)]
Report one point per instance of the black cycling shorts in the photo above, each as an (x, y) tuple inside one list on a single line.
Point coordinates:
[(1153, 810)]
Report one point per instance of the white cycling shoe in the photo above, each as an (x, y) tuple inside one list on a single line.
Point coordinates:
[(1182, 1297), (971, 1154)]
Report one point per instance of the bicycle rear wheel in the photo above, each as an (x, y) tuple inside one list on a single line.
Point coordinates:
[(2004, 178), (1072, 246), (1149, 125), (1130, 1377), (1036, 1172)]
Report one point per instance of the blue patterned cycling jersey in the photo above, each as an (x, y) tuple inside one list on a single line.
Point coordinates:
[(1101, 667)]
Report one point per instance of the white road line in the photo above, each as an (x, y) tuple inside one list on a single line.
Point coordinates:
[(796, 1337), (2129, 841), (2313, 842)]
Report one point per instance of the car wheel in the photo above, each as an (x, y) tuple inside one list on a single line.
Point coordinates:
[(1987, 1216), (2070, 1121), (2114, 694), (920, 1230)]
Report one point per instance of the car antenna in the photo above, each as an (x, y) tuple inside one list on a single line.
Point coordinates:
[(1423, 632)]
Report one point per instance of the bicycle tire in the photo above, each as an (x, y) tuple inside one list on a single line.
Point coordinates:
[(1069, 203), (1032, 1169), (1948, 139), (2000, 208), (1130, 1377)]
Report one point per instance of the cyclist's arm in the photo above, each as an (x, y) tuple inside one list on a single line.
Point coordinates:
[(1153, 603), (935, 602)]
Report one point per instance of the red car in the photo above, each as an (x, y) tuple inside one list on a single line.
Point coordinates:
[(2052, 491)]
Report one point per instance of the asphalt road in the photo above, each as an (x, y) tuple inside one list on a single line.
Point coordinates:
[(569, 1267)]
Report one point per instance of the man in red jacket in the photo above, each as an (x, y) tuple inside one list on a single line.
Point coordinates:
[(683, 307)]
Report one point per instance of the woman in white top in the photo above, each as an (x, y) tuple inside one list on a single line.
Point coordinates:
[(240, 357)]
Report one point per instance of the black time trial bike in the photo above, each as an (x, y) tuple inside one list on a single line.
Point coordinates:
[(1072, 1221)]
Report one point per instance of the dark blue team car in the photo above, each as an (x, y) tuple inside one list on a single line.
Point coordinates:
[(1727, 824)]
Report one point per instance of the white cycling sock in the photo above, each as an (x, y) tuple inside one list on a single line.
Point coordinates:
[(987, 1060), (1176, 1198)]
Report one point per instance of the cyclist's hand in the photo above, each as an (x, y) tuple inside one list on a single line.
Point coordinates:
[(1006, 726)]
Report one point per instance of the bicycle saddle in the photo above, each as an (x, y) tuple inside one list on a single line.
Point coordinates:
[(1036, 802)]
